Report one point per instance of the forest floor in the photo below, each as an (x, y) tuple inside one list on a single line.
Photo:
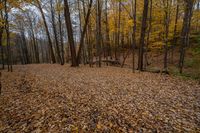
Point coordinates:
[(54, 98)]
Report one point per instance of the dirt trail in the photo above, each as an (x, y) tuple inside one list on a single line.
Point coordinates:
[(54, 98)]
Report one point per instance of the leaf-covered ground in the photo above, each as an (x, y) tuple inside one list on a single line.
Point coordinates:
[(54, 98)]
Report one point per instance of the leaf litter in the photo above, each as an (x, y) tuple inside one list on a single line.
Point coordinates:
[(54, 98)]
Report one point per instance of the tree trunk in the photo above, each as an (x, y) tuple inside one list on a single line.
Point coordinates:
[(61, 36), (134, 10), (148, 34), (118, 29), (108, 47), (9, 55), (47, 32), (84, 31), (24, 46), (185, 32), (1, 46), (55, 32), (142, 36), (98, 31), (175, 32), (70, 33), (166, 34)]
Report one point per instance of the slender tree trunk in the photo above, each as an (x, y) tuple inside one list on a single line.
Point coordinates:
[(9, 54), (142, 36), (175, 32), (25, 49), (70, 33), (108, 47), (84, 31), (90, 45), (55, 32), (148, 34), (118, 29), (47, 32), (61, 36), (2, 58), (36, 52), (1, 40), (1, 46), (166, 24), (98, 31), (134, 10), (82, 58), (185, 32)]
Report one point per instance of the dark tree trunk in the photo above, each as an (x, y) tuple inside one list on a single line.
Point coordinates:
[(118, 30), (84, 31), (175, 32), (1, 46), (166, 34), (24, 47), (134, 10), (55, 32), (70, 34), (142, 36), (108, 47), (36, 52), (185, 32), (98, 31), (61, 36), (148, 34), (9, 54)]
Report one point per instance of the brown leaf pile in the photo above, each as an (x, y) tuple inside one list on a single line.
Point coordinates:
[(54, 98)]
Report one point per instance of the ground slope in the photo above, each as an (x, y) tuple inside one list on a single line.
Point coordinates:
[(54, 98)]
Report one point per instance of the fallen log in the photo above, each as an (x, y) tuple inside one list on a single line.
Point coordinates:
[(152, 70), (112, 62)]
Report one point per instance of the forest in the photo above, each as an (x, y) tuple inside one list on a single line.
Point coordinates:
[(99, 66)]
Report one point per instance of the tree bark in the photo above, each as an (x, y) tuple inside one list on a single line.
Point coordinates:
[(108, 47), (142, 36), (134, 10), (185, 31), (55, 32), (70, 34), (2, 51), (61, 36), (166, 34), (148, 34), (9, 54), (98, 31), (84, 31), (175, 32)]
